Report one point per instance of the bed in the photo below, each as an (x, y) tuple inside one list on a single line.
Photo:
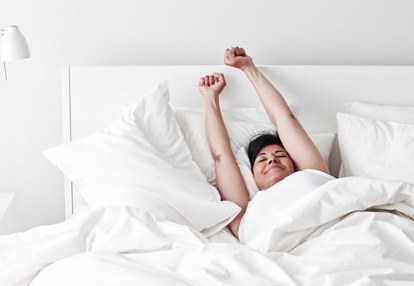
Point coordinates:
[(141, 205)]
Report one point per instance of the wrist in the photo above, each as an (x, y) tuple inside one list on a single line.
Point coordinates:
[(250, 70), (212, 101)]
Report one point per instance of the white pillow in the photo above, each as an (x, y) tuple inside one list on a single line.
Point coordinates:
[(142, 160), (376, 148), (323, 142), (401, 114), (241, 124)]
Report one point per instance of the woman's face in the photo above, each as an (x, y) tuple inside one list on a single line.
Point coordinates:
[(272, 164)]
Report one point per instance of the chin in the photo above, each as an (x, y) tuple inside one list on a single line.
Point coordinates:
[(277, 178)]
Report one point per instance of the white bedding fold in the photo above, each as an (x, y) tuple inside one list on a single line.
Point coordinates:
[(331, 202), (351, 231), (114, 229)]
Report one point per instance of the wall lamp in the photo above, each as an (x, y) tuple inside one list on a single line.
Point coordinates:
[(13, 46)]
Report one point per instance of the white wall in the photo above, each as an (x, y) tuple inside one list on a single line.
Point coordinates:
[(95, 32)]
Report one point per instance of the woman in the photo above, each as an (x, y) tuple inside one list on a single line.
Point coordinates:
[(272, 159)]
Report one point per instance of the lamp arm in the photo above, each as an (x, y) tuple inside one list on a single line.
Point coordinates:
[(4, 63), (5, 71)]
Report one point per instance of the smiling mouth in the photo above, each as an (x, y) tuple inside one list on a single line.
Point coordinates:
[(274, 167)]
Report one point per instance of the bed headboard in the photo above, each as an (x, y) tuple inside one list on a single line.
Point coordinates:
[(93, 96)]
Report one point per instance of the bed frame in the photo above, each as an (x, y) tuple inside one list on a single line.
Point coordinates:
[(93, 96)]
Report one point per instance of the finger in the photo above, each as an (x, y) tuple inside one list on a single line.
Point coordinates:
[(212, 80), (216, 79), (238, 51), (223, 79), (231, 55), (201, 81), (218, 75), (228, 52), (207, 80), (220, 78)]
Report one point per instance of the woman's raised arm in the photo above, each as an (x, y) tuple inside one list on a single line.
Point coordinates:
[(296, 141), (230, 182)]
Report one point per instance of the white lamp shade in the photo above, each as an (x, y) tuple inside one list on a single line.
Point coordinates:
[(13, 45)]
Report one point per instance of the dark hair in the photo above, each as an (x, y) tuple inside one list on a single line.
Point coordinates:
[(259, 141)]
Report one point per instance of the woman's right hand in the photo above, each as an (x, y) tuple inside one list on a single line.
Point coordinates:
[(236, 57), (210, 86)]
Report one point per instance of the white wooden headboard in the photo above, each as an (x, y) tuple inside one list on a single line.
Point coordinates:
[(93, 96)]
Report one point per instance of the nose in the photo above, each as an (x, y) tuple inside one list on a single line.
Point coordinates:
[(273, 159)]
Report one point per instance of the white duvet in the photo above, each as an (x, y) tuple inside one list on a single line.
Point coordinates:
[(350, 231)]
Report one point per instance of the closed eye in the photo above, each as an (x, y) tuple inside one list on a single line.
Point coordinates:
[(280, 154), (261, 159)]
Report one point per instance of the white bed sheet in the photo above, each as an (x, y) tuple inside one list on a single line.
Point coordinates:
[(350, 231)]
